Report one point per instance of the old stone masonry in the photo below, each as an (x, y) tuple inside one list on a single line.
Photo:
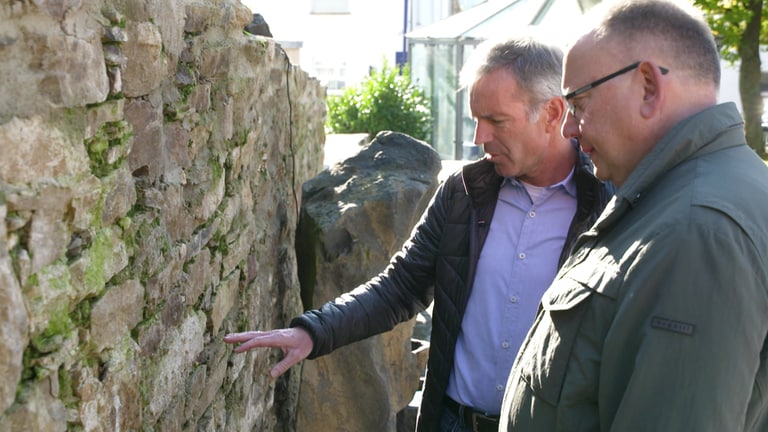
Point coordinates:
[(154, 159)]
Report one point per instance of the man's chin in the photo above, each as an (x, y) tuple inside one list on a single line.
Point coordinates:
[(596, 166), (601, 174), (503, 170)]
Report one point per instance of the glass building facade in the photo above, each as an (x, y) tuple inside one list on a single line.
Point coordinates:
[(437, 51)]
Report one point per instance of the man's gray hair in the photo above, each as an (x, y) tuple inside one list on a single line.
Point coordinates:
[(536, 65)]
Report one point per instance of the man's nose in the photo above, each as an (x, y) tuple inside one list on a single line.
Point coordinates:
[(481, 137), (570, 128)]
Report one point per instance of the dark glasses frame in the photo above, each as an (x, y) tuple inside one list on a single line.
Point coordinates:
[(597, 82)]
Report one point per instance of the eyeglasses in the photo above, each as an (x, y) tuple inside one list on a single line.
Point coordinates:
[(595, 83)]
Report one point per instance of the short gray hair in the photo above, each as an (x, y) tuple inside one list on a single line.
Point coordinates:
[(683, 30), (536, 65)]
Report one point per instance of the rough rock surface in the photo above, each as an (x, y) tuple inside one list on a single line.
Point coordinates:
[(151, 163), (356, 214)]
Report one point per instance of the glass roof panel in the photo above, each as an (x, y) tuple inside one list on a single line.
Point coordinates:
[(521, 14), (497, 17), (457, 26)]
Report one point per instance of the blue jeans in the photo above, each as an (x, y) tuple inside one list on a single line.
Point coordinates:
[(449, 422)]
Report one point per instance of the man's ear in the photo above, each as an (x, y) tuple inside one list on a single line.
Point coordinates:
[(653, 90), (554, 110)]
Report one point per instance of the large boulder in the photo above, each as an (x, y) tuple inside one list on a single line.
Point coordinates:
[(355, 215)]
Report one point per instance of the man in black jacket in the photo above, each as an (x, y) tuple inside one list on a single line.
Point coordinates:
[(485, 250)]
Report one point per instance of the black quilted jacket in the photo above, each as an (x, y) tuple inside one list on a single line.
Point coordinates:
[(438, 262)]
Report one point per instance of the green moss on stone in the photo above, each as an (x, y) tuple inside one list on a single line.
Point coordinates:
[(216, 169), (59, 327), (81, 315), (186, 91), (128, 236), (27, 372), (116, 96), (100, 252), (66, 388), (220, 244), (111, 135)]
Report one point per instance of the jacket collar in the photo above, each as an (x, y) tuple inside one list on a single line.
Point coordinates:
[(482, 183), (696, 135)]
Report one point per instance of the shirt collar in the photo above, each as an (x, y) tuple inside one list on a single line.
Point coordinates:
[(568, 184)]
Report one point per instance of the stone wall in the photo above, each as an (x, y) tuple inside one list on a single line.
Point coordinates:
[(151, 163)]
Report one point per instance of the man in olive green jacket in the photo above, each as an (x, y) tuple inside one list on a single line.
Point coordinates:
[(658, 320)]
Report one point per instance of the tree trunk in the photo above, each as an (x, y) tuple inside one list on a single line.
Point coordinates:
[(749, 78)]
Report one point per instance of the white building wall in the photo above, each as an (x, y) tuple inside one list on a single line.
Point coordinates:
[(337, 47), (729, 82)]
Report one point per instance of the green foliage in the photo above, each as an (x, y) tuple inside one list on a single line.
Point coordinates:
[(385, 100), (728, 19), (740, 29)]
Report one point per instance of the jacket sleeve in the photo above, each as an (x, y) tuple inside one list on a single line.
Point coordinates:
[(691, 341), (405, 287)]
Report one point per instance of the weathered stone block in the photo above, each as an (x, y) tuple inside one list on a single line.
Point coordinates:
[(355, 216), (144, 68), (39, 412), (33, 151), (184, 344), (226, 297), (116, 313), (13, 315)]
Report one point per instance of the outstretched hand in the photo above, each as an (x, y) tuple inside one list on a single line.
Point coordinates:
[(295, 343)]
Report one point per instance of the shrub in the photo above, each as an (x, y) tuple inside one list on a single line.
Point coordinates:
[(385, 100)]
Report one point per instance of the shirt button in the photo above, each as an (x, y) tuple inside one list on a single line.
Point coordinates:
[(505, 345), (513, 299), (532, 214), (499, 387), (522, 255)]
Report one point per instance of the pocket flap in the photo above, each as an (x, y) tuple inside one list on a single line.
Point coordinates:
[(589, 276), (564, 296)]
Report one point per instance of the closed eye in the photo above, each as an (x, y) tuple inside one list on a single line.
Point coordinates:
[(575, 105)]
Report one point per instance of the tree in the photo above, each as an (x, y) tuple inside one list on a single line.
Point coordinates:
[(740, 31)]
